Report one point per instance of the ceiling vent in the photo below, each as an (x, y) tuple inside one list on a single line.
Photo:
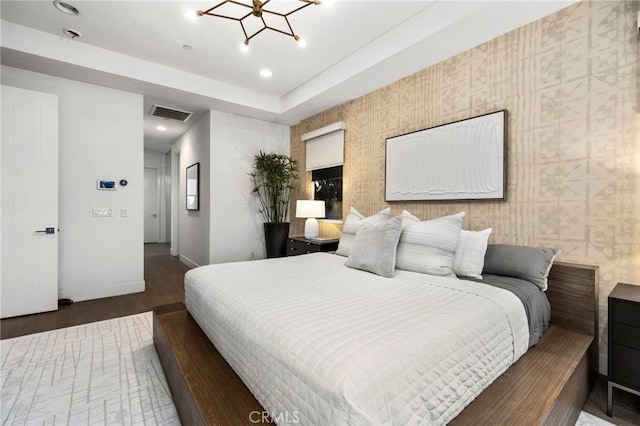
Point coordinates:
[(171, 113)]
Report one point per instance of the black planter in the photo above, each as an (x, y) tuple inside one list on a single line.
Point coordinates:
[(275, 238)]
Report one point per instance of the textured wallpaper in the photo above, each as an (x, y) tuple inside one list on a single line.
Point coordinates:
[(571, 85)]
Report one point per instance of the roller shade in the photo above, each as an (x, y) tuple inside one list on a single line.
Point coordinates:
[(325, 147)]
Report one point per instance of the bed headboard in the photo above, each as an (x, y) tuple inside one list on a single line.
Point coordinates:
[(573, 295)]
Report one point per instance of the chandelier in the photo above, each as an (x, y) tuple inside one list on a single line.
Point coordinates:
[(258, 9)]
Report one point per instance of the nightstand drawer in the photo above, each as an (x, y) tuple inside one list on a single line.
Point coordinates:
[(627, 335), (626, 313), (625, 366), (624, 341), (301, 247)]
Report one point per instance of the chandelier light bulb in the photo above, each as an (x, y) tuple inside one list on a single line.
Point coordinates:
[(191, 14)]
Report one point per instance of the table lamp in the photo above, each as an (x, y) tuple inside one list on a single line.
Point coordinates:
[(310, 209)]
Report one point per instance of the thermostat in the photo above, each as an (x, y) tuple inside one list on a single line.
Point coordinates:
[(107, 184)]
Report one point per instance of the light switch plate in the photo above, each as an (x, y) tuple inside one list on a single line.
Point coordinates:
[(102, 212)]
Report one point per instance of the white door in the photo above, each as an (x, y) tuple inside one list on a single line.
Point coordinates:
[(29, 217), (151, 206)]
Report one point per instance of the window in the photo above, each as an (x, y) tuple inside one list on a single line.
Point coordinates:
[(324, 158), (327, 186)]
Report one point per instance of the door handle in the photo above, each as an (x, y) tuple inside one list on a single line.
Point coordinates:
[(154, 214), (50, 230)]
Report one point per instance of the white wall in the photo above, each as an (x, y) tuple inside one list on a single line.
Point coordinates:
[(192, 225), (236, 226), (228, 227), (101, 137)]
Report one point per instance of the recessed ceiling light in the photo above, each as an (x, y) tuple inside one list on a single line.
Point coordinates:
[(187, 47), (73, 34), (266, 73), (66, 8), (161, 128)]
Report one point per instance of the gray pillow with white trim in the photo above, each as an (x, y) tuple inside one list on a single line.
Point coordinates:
[(528, 263)]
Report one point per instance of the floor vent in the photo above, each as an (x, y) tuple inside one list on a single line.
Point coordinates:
[(171, 113)]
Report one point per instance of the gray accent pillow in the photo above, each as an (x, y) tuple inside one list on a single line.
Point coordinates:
[(374, 247), (528, 263), (351, 225)]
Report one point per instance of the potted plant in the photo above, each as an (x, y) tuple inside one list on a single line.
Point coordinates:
[(273, 176)]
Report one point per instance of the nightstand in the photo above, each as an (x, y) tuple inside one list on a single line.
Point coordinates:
[(624, 341), (300, 245)]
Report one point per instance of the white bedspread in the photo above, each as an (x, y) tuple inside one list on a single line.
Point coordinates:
[(319, 343)]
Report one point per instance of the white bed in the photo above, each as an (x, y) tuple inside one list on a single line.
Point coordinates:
[(319, 343)]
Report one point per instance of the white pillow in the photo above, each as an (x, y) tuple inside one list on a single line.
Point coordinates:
[(408, 218), (374, 248), (469, 258), (354, 220), (429, 247)]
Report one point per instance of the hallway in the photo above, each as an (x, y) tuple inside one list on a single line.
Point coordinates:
[(156, 249)]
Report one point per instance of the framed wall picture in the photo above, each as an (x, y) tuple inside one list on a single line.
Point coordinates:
[(463, 160), (193, 187)]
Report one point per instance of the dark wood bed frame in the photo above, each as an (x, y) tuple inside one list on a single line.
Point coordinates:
[(548, 385)]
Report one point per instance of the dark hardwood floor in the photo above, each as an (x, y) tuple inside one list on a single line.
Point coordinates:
[(626, 406), (164, 279), (164, 284)]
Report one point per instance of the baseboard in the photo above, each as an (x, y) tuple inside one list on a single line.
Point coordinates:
[(80, 294), (190, 263), (603, 364)]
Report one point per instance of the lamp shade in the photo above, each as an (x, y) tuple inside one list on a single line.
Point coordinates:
[(310, 208)]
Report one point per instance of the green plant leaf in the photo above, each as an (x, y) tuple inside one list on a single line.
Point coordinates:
[(273, 176)]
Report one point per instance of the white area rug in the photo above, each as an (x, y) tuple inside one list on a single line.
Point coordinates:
[(100, 373), (586, 419)]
